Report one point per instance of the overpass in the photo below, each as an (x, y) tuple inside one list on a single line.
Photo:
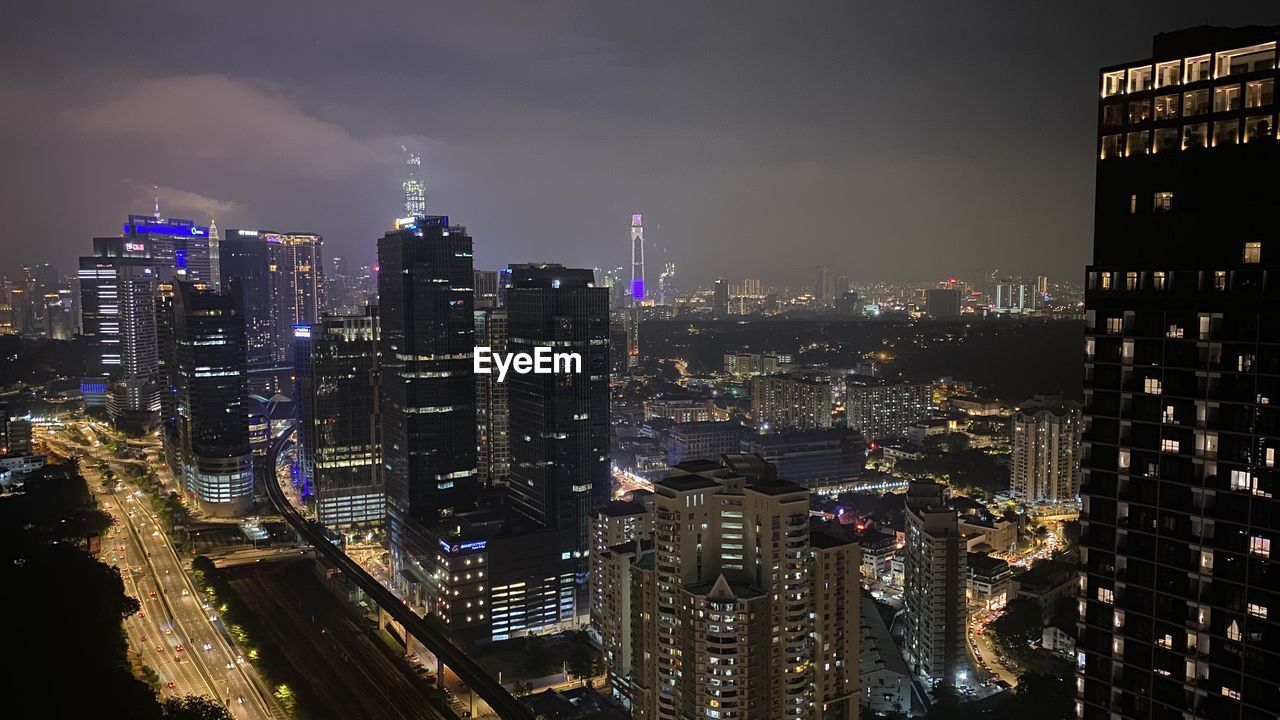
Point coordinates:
[(448, 654)]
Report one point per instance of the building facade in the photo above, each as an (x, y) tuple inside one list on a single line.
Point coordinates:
[(882, 411), (559, 426), (212, 424), (493, 413), (791, 401), (934, 584), (723, 610), (427, 390), (1182, 346), (1045, 464), (340, 449)]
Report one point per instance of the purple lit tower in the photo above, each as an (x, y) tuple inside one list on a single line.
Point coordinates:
[(637, 259)]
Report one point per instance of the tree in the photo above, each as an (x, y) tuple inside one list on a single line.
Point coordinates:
[(1021, 624), (190, 707), (521, 688), (583, 663)]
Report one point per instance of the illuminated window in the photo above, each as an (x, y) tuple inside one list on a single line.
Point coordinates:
[(1133, 204), (1159, 280), (1169, 445), (1226, 99), (1245, 60), (1176, 332), (1152, 386), (1253, 252), (1131, 281), (1258, 611), (1139, 111), (1168, 73), (1226, 132), (1137, 143), (1195, 135), (1197, 69), (1112, 83), (1259, 93), (1195, 102), (1115, 326), (1257, 128), (1240, 480), (1105, 279), (1166, 139), (1106, 595), (1260, 546), (1162, 202), (1140, 79), (1219, 279), (1126, 349), (1112, 146)]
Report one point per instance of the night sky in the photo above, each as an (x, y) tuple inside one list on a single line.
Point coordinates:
[(890, 141)]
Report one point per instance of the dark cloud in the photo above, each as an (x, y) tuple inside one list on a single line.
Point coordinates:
[(759, 138)]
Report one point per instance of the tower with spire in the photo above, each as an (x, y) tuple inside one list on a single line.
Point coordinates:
[(415, 196), (215, 256)]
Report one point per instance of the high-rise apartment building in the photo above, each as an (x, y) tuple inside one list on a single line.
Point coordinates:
[(559, 429), (493, 412), (791, 401), (212, 424), (428, 391), (620, 532), (885, 410), (724, 610), (1045, 464), (934, 583), (1178, 608), (340, 449)]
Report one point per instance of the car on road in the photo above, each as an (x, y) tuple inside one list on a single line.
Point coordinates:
[(179, 648), (172, 685), (153, 593), (207, 647)]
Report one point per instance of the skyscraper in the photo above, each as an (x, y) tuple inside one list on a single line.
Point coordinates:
[(179, 248), (212, 428), (415, 195), (493, 414), (720, 299), (340, 458), (637, 259), (666, 294), (1181, 426), (1045, 464), (118, 315), (560, 422), (934, 579), (279, 278), (428, 392), (823, 286), (215, 255), (486, 286)]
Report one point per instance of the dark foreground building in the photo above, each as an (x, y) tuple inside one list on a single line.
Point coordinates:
[(1182, 358)]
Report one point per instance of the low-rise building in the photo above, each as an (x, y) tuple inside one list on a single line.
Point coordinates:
[(989, 580), (887, 684), (1046, 583)]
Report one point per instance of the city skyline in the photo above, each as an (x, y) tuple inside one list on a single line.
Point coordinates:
[(315, 138)]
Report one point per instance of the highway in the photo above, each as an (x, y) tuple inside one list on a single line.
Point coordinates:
[(489, 690), (177, 634)]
